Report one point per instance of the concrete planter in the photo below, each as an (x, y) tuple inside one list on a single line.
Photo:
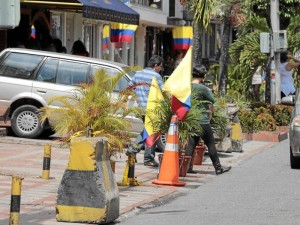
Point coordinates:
[(88, 192), (269, 136)]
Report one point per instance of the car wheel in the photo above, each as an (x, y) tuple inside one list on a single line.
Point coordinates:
[(161, 143), (295, 161), (25, 122)]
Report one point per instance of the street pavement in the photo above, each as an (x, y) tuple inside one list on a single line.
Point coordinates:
[(23, 157)]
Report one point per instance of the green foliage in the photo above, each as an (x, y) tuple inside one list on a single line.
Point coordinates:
[(96, 106), (262, 116), (161, 115)]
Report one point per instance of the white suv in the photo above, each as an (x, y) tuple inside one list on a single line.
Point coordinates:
[(28, 78)]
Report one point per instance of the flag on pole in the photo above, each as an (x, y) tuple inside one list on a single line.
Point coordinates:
[(182, 37), (121, 32), (179, 86), (154, 96), (105, 38)]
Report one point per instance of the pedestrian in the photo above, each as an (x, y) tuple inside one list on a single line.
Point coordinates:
[(155, 65), (202, 93), (179, 57), (257, 80), (58, 46), (287, 65), (79, 48)]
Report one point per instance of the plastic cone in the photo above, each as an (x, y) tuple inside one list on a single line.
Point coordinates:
[(169, 169)]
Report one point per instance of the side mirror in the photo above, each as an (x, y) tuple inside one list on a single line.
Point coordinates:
[(288, 100)]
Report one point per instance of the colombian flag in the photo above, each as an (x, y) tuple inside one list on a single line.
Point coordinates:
[(105, 38), (121, 32), (182, 37), (179, 86), (154, 96), (33, 34)]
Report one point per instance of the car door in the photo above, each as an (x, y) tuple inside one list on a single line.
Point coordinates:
[(59, 77), (16, 71)]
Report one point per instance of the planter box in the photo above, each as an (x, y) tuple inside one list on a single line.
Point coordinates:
[(270, 136)]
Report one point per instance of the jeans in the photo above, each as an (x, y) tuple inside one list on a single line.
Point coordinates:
[(209, 140), (149, 153)]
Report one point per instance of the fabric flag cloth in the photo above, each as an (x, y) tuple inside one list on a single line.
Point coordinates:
[(182, 37), (105, 37), (179, 86), (121, 32), (154, 97), (33, 35)]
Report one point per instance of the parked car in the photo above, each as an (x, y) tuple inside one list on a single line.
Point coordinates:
[(294, 129), (29, 78)]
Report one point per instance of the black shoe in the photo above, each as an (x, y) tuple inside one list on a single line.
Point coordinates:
[(222, 169), (151, 163), (191, 171)]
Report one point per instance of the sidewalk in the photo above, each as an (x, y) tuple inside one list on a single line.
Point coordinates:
[(38, 196)]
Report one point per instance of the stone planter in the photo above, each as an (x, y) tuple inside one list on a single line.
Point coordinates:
[(269, 136)]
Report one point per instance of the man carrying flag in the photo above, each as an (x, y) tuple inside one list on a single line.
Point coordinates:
[(143, 79)]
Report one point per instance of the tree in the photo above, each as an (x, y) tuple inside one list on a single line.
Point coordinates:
[(204, 11)]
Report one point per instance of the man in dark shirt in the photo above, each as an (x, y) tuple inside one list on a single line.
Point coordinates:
[(203, 93)]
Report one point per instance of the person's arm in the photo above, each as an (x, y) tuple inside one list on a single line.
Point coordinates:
[(294, 64)]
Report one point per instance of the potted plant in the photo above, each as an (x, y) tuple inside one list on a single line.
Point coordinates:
[(160, 118), (94, 106)]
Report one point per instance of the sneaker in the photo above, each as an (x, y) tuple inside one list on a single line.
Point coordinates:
[(151, 163)]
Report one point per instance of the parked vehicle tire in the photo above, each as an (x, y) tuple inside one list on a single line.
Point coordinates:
[(295, 161), (25, 122), (161, 143)]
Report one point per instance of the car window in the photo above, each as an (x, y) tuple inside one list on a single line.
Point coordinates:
[(122, 83), (72, 73), (48, 71), (20, 65)]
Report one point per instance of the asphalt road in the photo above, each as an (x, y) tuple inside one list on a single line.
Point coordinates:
[(262, 190)]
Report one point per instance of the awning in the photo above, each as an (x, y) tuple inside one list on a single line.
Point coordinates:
[(109, 10)]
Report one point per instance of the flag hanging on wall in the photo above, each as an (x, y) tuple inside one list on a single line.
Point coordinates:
[(105, 37), (155, 95), (121, 32), (179, 86), (182, 37)]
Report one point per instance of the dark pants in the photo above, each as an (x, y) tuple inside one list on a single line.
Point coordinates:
[(209, 140)]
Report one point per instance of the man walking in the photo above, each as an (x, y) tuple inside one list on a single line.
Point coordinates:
[(155, 65)]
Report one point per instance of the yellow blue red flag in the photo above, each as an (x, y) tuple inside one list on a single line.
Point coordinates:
[(179, 86), (182, 37), (121, 32), (106, 36), (153, 98)]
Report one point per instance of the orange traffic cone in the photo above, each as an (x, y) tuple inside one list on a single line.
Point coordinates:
[(169, 169)]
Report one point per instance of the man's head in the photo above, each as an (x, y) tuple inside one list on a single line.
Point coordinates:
[(199, 72), (156, 63)]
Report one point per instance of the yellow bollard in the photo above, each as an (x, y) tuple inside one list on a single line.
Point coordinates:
[(15, 200), (128, 176), (46, 162)]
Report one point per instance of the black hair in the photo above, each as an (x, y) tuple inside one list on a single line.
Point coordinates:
[(199, 72), (78, 47), (155, 60), (283, 57)]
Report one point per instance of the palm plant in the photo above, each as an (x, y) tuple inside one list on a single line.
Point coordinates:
[(94, 106), (161, 115)]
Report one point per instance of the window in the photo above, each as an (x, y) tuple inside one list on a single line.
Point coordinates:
[(122, 83), (48, 72), (20, 65), (72, 73)]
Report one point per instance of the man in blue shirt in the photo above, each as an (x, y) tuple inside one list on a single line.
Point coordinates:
[(155, 65)]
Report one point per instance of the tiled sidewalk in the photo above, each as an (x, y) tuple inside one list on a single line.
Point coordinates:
[(38, 196)]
